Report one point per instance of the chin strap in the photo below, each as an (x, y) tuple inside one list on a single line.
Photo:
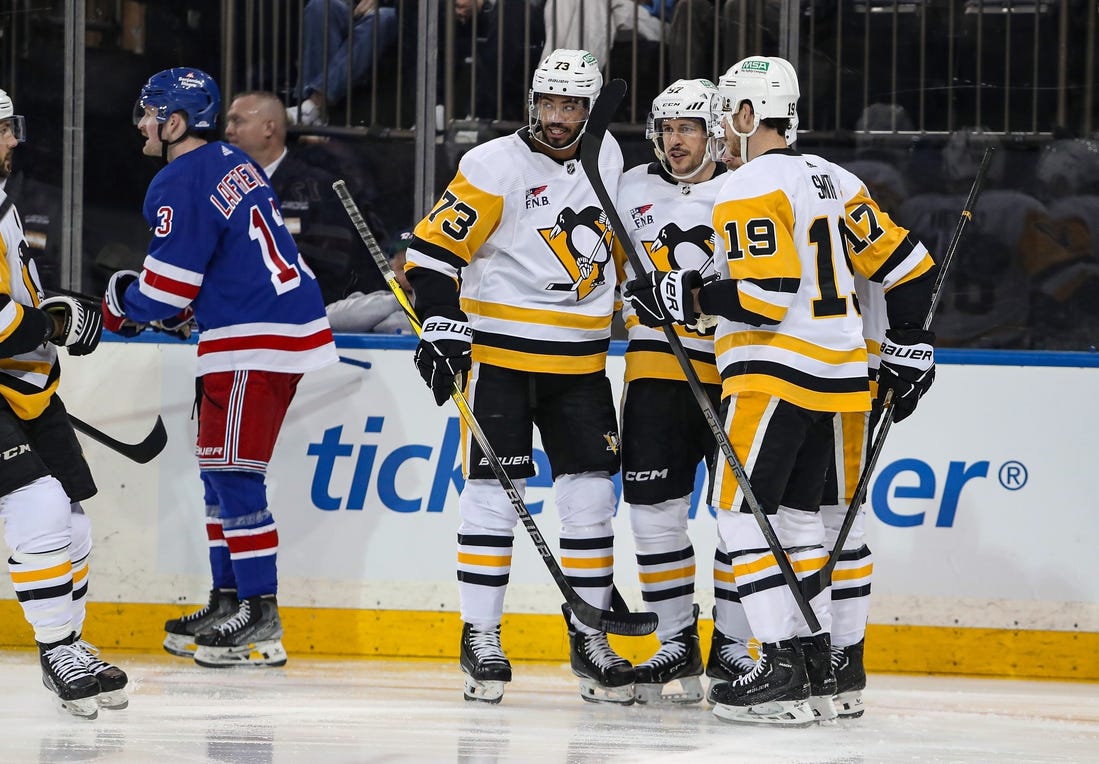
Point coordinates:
[(165, 145)]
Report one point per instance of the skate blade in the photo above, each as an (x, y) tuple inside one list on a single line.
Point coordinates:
[(114, 700), (824, 710), (593, 692), (256, 654), (85, 708), (849, 704), (689, 690), (777, 713), (484, 691), (182, 646)]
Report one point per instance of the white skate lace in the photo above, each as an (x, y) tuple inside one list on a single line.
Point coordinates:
[(731, 654), (67, 662), (599, 651), (238, 621), (198, 614), (669, 652), (837, 657), (750, 677), (89, 653), (486, 645)]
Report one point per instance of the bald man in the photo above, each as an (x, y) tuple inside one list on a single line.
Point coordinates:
[(256, 123)]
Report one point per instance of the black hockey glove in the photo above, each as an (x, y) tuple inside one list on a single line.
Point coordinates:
[(907, 368), (664, 297), (444, 352), (80, 325), (114, 311)]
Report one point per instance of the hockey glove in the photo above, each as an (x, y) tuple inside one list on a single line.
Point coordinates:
[(80, 326), (444, 353), (114, 311), (664, 297), (180, 325), (907, 368)]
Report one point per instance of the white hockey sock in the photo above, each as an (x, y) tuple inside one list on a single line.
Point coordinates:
[(665, 563)]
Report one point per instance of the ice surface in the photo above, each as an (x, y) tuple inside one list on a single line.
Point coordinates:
[(412, 711)]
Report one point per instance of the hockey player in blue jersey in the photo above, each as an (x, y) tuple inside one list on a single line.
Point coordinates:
[(221, 253)]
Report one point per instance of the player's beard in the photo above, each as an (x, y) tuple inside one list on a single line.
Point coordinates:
[(689, 163), (567, 139)]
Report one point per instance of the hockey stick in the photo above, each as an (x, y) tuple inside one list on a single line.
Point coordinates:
[(816, 583), (598, 121), (141, 452), (626, 623)]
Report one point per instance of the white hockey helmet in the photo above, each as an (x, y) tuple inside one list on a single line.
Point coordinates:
[(7, 113), (770, 84), (564, 72), (687, 99), (962, 155), (1067, 167)]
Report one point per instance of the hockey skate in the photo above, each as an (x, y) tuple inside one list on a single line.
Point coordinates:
[(728, 659), (483, 662), (775, 692), (180, 637), (112, 680), (65, 674), (605, 676), (850, 680), (822, 680), (251, 637), (679, 660)]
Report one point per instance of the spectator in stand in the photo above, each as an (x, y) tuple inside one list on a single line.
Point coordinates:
[(346, 33), (593, 24), (494, 35), (377, 312), (256, 123)]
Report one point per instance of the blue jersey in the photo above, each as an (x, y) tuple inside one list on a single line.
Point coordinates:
[(219, 245)]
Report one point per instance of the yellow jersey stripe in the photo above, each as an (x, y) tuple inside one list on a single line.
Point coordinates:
[(559, 318)]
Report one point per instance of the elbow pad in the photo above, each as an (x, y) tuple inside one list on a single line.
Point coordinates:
[(434, 292), (722, 298)]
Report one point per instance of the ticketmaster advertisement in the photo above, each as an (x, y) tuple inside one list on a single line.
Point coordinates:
[(982, 511)]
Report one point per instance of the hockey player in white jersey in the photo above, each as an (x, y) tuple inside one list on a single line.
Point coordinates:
[(515, 289), (790, 348), (664, 435)]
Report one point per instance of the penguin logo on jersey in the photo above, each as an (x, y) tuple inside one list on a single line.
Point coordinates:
[(674, 248), (581, 242)]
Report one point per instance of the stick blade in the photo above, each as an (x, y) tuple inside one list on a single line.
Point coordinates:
[(626, 624), (154, 443)]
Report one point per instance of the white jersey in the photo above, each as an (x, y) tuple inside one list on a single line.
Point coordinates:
[(670, 227), (792, 230), (531, 246), (27, 380)]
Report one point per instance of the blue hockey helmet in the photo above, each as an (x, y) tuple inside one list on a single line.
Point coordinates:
[(191, 91)]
